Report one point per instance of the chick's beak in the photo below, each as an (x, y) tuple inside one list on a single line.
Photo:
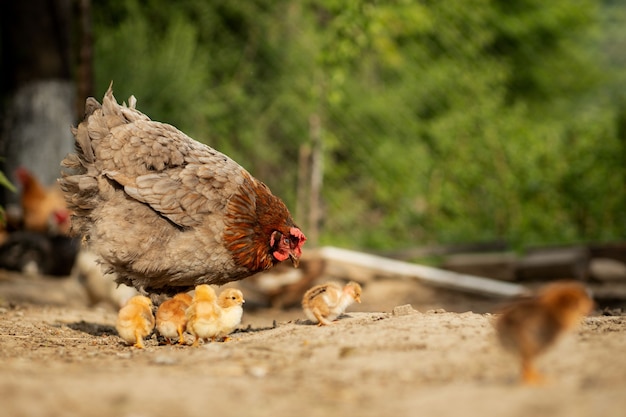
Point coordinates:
[(294, 259)]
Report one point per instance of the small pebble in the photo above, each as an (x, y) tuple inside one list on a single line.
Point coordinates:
[(164, 360), (346, 351), (403, 310), (258, 371)]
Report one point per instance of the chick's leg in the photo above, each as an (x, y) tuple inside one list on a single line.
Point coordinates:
[(181, 335), (321, 320), (530, 375), (195, 342), (138, 340)]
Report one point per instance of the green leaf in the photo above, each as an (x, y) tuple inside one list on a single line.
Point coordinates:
[(4, 181)]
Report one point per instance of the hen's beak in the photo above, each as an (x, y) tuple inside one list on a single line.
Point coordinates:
[(294, 260)]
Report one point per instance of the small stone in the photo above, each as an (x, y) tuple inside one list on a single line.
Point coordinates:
[(403, 310), (346, 351), (164, 360), (258, 371)]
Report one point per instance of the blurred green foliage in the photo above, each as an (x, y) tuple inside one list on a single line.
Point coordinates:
[(442, 122), (4, 182)]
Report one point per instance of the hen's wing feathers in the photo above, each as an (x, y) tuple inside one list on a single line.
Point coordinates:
[(159, 166)]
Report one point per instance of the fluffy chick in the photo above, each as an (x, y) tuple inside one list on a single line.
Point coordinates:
[(203, 315), (135, 320), (322, 304), (527, 328), (171, 320), (230, 302)]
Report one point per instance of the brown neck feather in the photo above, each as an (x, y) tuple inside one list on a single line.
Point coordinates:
[(252, 215)]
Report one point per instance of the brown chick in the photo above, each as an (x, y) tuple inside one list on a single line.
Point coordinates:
[(322, 304), (203, 315), (171, 320), (135, 320), (528, 328), (165, 212), (230, 302)]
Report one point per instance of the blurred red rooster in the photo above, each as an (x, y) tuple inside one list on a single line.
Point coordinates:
[(166, 213), (43, 209)]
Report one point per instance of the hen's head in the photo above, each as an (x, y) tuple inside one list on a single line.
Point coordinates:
[(259, 231), (287, 244), (23, 176)]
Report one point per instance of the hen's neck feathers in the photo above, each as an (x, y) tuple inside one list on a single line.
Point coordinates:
[(252, 215)]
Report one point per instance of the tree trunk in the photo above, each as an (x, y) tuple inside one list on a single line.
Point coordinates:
[(37, 129), (37, 91)]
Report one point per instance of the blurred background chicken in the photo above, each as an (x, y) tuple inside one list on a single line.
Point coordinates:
[(135, 321), (171, 320), (527, 328), (230, 302), (322, 304), (43, 208), (37, 240), (36, 253), (203, 314)]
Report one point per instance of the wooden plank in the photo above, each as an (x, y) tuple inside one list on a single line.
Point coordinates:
[(549, 264), (500, 265), (425, 274)]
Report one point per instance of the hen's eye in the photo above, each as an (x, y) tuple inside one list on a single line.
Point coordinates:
[(286, 241)]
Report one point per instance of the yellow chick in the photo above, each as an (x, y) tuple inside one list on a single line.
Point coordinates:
[(135, 320), (529, 327), (171, 320), (203, 314), (322, 304), (230, 302)]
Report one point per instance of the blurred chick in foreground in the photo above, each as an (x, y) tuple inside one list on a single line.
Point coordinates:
[(529, 327), (135, 320), (171, 320), (322, 304), (203, 314), (230, 302)]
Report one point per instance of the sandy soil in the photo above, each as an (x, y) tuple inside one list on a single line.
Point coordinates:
[(62, 360)]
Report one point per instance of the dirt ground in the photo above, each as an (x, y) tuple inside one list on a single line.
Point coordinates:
[(58, 360)]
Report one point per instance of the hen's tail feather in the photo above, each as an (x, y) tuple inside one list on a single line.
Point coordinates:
[(80, 180)]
